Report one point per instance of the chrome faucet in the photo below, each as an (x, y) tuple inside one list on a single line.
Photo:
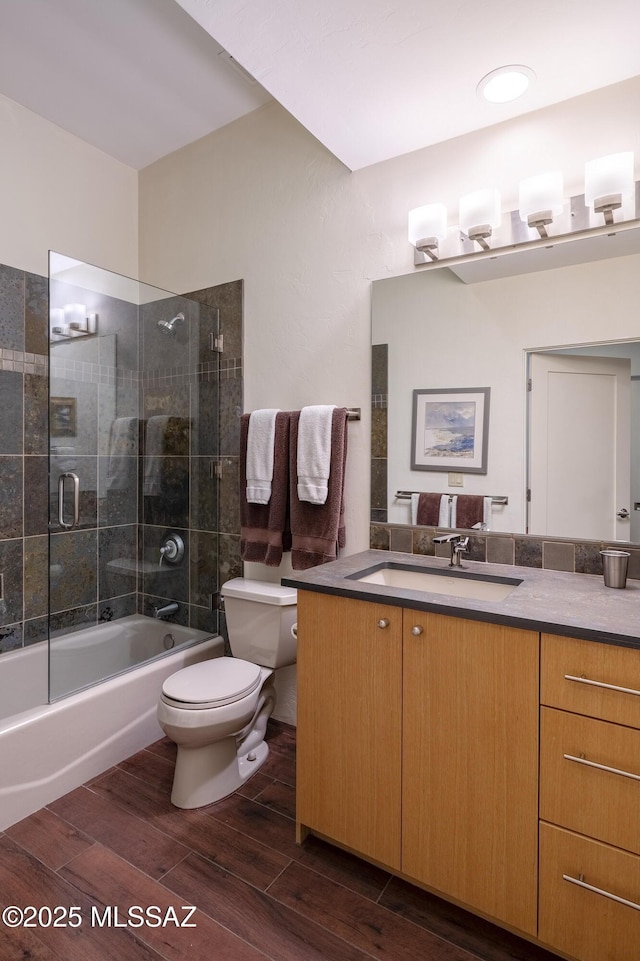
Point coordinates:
[(459, 546), (169, 608)]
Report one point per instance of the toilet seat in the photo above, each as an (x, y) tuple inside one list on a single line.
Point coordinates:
[(209, 684)]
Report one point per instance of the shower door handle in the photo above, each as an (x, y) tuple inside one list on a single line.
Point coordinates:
[(76, 499)]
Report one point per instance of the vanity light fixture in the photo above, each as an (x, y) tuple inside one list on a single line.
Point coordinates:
[(480, 212), (505, 83), (70, 321), (428, 228), (541, 199), (609, 187), (608, 183)]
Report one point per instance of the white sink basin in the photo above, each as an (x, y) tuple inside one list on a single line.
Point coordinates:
[(462, 584)]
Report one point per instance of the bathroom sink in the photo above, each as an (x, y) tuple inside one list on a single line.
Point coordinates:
[(479, 587)]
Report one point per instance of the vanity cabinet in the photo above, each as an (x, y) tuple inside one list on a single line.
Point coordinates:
[(590, 799), (349, 723), (417, 747)]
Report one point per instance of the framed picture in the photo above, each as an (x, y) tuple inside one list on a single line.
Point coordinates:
[(62, 411), (450, 430)]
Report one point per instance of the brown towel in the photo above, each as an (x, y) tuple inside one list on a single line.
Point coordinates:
[(264, 528), (318, 530), (429, 510), (469, 510)]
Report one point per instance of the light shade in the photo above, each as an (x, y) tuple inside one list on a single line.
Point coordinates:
[(482, 207), (542, 193), (426, 223), (506, 83), (607, 176)]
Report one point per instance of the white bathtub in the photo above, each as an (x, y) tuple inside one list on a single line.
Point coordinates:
[(49, 749)]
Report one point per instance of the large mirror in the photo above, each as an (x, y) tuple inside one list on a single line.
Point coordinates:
[(449, 333)]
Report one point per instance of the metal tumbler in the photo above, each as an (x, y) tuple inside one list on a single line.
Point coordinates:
[(615, 565)]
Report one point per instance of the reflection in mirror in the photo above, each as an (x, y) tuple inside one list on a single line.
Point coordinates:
[(443, 334)]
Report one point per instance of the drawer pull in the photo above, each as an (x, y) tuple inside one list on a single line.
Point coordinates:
[(601, 767), (383, 622), (608, 687), (605, 894)]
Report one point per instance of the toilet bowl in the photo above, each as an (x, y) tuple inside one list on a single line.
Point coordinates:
[(216, 711)]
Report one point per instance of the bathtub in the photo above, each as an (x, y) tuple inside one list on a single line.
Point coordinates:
[(49, 749)]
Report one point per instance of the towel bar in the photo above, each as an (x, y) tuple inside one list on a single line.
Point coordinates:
[(406, 495)]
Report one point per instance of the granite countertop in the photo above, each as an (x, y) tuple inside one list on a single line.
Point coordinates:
[(574, 605)]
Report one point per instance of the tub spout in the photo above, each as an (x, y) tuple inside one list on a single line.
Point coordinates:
[(170, 608)]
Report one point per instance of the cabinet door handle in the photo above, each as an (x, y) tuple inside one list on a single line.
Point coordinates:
[(601, 767), (605, 894), (417, 630), (383, 622), (608, 687)]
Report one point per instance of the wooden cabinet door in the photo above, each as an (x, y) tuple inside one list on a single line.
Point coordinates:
[(470, 764), (589, 897), (349, 724)]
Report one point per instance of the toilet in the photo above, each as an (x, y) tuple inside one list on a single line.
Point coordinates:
[(216, 711)]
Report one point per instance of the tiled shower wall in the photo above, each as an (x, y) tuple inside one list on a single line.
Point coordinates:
[(23, 457), (113, 552)]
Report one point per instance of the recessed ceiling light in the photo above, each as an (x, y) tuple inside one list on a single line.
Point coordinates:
[(505, 83)]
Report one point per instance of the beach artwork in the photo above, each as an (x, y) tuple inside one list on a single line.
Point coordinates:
[(450, 429)]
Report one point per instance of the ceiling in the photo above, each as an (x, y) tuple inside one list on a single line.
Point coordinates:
[(370, 79)]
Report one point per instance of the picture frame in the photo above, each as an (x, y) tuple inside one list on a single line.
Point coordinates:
[(450, 429), (63, 416)]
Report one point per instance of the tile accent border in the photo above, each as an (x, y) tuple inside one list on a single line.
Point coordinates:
[(523, 550)]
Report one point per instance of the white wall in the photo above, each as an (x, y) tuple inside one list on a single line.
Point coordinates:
[(263, 200), (60, 193)]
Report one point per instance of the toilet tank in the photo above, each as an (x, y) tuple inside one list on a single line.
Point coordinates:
[(260, 616)]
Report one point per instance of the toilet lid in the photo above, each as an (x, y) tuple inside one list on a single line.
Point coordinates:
[(212, 683)]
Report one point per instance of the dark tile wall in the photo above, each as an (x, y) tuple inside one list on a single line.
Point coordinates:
[(552, 554), (132, 496), (23, 456), (196, 472)]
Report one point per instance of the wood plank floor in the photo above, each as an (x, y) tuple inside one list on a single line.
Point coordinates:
[(118, 842)]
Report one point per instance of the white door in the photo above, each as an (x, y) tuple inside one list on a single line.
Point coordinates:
[(579, 446)]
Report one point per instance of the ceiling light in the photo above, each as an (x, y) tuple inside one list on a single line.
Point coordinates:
[(506, 83)]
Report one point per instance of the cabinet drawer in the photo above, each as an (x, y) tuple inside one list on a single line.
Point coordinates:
[(577, 794), (588, 677), (592, 925)]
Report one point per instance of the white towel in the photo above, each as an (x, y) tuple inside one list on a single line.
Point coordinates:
[(260, 439), (154, 450), (487, 507), (314, 453), (123, 448), (444, 519)]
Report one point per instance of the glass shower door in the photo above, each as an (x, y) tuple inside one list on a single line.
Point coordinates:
[(123, 422)]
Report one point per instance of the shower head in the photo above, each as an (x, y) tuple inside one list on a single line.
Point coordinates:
[(171, 326)]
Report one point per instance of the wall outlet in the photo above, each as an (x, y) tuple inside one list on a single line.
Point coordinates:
[(456, 480)]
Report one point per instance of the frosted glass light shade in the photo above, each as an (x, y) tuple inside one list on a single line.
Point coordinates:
[(542, 192), (429, 221), (608, 175), (480, 207), (75, 315)]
